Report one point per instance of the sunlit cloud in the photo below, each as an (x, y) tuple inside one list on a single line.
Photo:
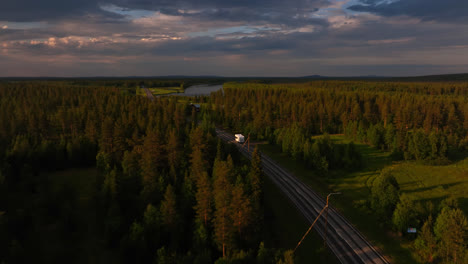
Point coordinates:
[(265, 37), (389, 41)]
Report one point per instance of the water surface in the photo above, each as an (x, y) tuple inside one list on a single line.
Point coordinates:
[(200, 90)]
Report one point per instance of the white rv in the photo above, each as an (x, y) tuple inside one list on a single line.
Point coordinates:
[(239, 138)]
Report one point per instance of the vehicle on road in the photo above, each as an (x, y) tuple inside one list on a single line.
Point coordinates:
[(239, 138)]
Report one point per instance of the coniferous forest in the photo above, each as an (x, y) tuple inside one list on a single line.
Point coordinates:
[(414, 121), (421, 123), (166, 191), (162, 188)]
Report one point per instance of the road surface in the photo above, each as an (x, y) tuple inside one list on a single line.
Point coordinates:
[(344, 240), (149, 94)]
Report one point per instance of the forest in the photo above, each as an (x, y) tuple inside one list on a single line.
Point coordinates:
[(421, 122), (166, 189), (412, 120), (161, 188)]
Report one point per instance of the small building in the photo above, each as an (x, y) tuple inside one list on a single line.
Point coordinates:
[(196, 107), (239, 138)]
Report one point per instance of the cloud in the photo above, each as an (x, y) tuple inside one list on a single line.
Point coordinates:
[(31, 10), (454, 11), (389, 41), (262, 37), (175, 5)]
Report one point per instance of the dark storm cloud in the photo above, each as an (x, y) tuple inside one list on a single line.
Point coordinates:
[(292, 13), (254, 46), (438, 10), (48, 10), (221, 37), (286, 17), (202, 4)]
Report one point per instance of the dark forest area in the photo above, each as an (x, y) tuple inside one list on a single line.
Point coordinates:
[(165, 190)]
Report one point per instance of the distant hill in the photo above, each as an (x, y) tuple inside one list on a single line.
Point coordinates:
[(437, 78), (426, 78)]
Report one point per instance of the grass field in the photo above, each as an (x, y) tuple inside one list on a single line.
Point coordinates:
[(156, 91), (421, 182), (140, 91), (434, 183), (165, 90)]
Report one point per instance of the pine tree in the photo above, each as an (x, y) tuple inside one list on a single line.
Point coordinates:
[(256, 185), (119, 141), (137, 242), (169, 214), (130, 164), (389, 137), (451, 230), (91, 130), (404, 215), (198, 164), (222, 197), (241, 210), (219, 150), (107, 131), (197, 139), (151, 163), (385, 194), (152, 226), (287, 258), (425, 244), (173, 154), (109, 188), (203, 207)]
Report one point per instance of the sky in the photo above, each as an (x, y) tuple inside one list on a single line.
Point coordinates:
[(78, 38)]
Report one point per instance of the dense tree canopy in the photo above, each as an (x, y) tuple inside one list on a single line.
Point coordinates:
[(168, 192), (161, 195), (419, 120)]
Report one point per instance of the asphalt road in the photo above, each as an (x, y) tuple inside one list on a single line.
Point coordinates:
[(345, 241), (149, 94)]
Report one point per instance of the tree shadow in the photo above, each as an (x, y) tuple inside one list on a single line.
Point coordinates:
[(456, 155), (428, 188), (436, 201), (409, 184), (463, 204)]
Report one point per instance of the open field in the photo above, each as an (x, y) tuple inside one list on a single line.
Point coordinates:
[(165, 90), (422, 182), (140, 91), (161, 90), (434, 183)]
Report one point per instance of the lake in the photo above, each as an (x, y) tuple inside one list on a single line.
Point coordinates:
[(200, 90)]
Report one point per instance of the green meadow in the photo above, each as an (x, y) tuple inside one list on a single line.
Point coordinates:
[(156, 91), (165, 90)]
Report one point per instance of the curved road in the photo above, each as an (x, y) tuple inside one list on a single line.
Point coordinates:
[(344, 240)]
